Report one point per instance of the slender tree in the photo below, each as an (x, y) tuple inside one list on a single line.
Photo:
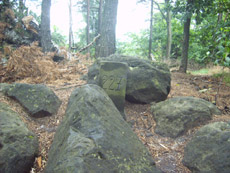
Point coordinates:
[(151, 30), (100, 15), (200, 8), (70, 26), (185, 46), (99, 26), (45, 26), (88, 25), (169, 29), (106, 44), (168, 19), (21, 6)]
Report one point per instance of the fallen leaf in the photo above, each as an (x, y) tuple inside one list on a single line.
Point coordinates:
[(39, 161)]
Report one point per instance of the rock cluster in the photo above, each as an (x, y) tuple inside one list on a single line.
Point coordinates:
[(147, 81), (93, 137)]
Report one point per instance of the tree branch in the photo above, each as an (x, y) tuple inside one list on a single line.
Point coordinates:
[(90, 44), (159, 8)]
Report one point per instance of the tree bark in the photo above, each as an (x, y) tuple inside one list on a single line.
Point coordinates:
[(45, 26), (169, 31), (168, 19), (184, 59), (88, 25), (106, 44), (185, 46), (100, 16), (151, 30), (21, 6), (99, 26), (70, 26)]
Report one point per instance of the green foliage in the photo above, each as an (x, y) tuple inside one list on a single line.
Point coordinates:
[(203, 71), (209, 35), (209, 41), (137, 44), (21, 11), (57, 37)]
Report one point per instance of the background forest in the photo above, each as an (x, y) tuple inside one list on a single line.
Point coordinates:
[(178, 30)]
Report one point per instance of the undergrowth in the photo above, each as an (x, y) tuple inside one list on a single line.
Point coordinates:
[(225, 77)]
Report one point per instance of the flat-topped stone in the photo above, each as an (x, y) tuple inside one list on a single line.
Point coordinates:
[(113, 79)]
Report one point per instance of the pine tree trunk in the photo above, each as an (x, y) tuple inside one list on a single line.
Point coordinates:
[(106, 44), (184, 59), (151, 30), (45, 26), (70, 26), (99, 27), (169, 31), (88, 25), (21, 6)]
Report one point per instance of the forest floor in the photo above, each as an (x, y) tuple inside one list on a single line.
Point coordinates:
[(167, 152)]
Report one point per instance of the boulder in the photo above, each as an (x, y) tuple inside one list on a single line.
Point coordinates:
[(209, 149), (177, 115), (93, 137), (38, 100), (18, 146), (4, 87), (147, 81)]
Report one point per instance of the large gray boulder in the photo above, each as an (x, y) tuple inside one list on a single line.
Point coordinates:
[(38, 100), (18, 146), (94, 138), (209, 149), (147, 81), (177, 115)]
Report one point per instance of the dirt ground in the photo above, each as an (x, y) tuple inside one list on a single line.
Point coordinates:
[(166, 152)]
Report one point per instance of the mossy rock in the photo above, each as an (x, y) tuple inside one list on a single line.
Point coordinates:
[(175, 116), (147, 81), (38, 100), (93, 137), (209, 149), (18, 145)]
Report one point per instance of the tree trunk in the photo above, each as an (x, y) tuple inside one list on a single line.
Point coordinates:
[(21, 6), (151, 30), (185, 46), (70, 26), (45, 26), (184, 59), (100, 16), (169, 30), (88, 25), (99, 26), (220, 16), (107, 41)]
